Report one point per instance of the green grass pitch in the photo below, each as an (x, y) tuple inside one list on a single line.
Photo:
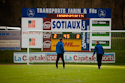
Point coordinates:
[(47, 73)]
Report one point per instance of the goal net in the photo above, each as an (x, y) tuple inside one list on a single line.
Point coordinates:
[(78, 45)]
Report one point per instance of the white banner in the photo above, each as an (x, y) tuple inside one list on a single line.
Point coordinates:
[(32, 23), (34, 57), (104, 38), (70, 57), (35, 38), (100, 24)]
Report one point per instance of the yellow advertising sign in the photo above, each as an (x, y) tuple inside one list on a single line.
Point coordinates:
[(69, 44)]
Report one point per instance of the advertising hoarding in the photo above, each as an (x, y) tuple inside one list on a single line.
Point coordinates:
[(66, 24), (104, 38), (105, 43), (69, 57), (100, 24), (10, 40), (46, 41), (69, 45), (35, 38), (32, 23), (90, 12), (70, 19)]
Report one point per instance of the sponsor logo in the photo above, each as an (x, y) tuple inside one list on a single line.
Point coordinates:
[(31, 23), (51, 58), (30, 12), (83, 58), (102, 13), (88, 38), (34, 58), (69, 44), (32, 33), (17, 59), (102, 42), (83, 26), (46, 44), (32, 41), (3, 34), (68, 58), (108, 58), (47, 25), (66, 24), (51, 10), (14, 34), (47, 35), (83, 40), (100, 22)]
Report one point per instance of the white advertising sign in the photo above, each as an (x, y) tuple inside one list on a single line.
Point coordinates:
[(106, 43), (32, 23), (104, 38), (100, 24), (34, 57), (35, 38), (69, 57), (87, 58)]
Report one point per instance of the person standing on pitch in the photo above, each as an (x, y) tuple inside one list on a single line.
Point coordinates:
[(100, 53), (60, 52)]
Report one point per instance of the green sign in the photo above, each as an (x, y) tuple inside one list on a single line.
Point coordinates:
[(102, 42), (100, 23), (100, 34)]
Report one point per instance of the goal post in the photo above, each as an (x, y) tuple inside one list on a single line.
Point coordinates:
[(86, 39)]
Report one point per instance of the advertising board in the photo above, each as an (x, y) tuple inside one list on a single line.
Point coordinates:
[(10, 40), (46, 41), (68, 19), (105, 43), (69, 45), (35, 38), (100, 24), (69, 57), (44, 12), (66, 24)]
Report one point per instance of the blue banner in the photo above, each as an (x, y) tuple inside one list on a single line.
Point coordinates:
[(85, 35), (85, 25), (90, 12), (85, 41)]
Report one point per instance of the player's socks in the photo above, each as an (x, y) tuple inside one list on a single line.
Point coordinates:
[(56, 67)]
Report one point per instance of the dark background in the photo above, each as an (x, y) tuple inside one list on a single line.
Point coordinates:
[(11, 10)]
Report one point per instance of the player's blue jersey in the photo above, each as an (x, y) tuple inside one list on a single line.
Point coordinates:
[(98, 49), (60, 48)]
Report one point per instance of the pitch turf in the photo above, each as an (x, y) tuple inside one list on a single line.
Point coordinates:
[(71, 74)]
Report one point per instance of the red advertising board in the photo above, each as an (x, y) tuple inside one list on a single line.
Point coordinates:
[(46, 24), (46, 41)]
